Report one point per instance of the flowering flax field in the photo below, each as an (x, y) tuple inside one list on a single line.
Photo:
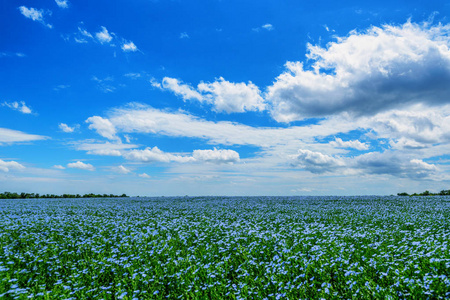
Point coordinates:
[(225, 248)]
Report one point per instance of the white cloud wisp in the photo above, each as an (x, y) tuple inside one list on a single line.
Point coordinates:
[(35, 15), (18, 106), (6, 166), (81, 165)]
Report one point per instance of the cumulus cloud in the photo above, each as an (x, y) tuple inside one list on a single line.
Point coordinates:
[(366, 73), (223, 95), (185, 91), (15, 136), (144, 175), (339, 143), (6, 166), (35, 14), (405, 143), (66, 128), (393, 164), (19, 106), (380, 163), (232, 97), (216, 156), (121, 170), (62, 3), (129, 47), (420, 124), (104, 127), (81, 165), (59, 167), (315, 162), (103, 36)]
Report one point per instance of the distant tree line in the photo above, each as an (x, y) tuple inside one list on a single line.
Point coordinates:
[(8, 195), (427, 193)]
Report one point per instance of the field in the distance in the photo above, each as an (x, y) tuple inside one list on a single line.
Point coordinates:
[(225, 248)]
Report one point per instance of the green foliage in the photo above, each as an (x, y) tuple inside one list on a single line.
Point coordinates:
[(427, 193)]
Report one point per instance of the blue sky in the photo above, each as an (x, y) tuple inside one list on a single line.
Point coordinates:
[(224, 97)]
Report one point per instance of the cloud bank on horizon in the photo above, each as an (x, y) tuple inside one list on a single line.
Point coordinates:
[(366, 112)]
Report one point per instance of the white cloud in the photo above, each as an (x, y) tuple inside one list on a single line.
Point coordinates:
[(216, 156), (62, 3), (315, 162), (232, 97), (61, 87), (378, 163), (418, 123), (156, 155), (81, 165), (184, 35), (6, 166), (366, 73), (105, 84), (108, 149), (35, 14), (129, 47), (279, 143), (15, 136), (339, 143), (133, 75), (155, 83), (395, 164), (104, 127), (64, 127), (85, 33), (121, 169), (223, 95), (144, 119), (80, 40), (19, 106), (105, 152), (82, 36), (103, 36), (405, 143), (127, 138), (268, 27), (9, 54), (144, 175), (59, 167), (185, 91)]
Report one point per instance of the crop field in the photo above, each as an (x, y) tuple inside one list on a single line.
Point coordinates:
[(226, 248)]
